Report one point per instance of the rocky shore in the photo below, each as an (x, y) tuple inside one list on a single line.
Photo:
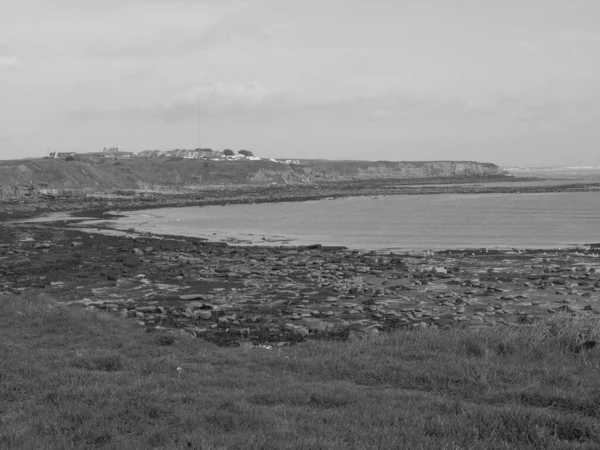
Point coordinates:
[(279, 296)]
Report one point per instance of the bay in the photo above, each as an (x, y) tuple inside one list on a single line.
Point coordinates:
[(411, 222)]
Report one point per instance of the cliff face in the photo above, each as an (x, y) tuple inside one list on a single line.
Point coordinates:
[(348, 170), (161, 173)]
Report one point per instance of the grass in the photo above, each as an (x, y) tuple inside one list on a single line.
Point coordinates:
[(72, 379)]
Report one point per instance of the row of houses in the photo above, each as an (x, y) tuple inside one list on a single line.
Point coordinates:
[(112, 152), (204, 154), (198, 153)]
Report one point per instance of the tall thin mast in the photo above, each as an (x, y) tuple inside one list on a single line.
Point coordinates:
[(198, 117)]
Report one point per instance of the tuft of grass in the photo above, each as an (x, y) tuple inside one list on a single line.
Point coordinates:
[(165, 340), (74, 379), (27, 305), (108, 362)]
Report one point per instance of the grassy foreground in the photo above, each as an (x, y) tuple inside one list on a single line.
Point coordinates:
[(71, 379)]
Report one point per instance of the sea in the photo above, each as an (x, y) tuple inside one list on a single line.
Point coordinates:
[(403, 222)]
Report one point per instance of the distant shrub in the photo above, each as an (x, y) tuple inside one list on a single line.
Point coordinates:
[(70, 158), (246, 153), (228, 152)]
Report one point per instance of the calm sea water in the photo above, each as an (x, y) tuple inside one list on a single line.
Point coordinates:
[(392, 222)]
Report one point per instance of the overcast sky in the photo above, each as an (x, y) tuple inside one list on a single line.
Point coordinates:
[(504, 81)]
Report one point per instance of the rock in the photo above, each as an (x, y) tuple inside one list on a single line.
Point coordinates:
[(132, 262), (195, 304), (197, 330), (204, 315), (187, 333), (317, 325), (189, 297), (301, 331)]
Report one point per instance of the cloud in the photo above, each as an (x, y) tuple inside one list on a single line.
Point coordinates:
[(133, 29), (379, 115), (402, 106), (558, 114), (568, 38), (529, 46), (253, 100), (575, 36), (181, 42), (230, 95), (9, 62), (542, 112), (169, 31), (215, 99)]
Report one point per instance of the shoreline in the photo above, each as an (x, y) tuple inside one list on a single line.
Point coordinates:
[(97, 207), (283, 295), (150, 222)]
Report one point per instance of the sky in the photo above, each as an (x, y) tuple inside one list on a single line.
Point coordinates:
[(514, 82)]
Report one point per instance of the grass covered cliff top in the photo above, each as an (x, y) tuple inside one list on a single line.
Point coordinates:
[(150, 173), (74, 379)]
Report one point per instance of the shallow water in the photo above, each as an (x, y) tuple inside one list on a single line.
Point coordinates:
[(392, 222)]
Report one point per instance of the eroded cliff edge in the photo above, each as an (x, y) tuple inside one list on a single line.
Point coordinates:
[(160, 173)]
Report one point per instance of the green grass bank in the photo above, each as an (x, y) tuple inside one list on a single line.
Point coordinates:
[(73, 379)]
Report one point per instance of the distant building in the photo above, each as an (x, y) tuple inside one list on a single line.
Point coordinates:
[(198, 153), (65, 154), (124, 155), (114, 152), (150, 154)]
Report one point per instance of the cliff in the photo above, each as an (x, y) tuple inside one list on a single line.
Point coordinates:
[(161, 173)]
